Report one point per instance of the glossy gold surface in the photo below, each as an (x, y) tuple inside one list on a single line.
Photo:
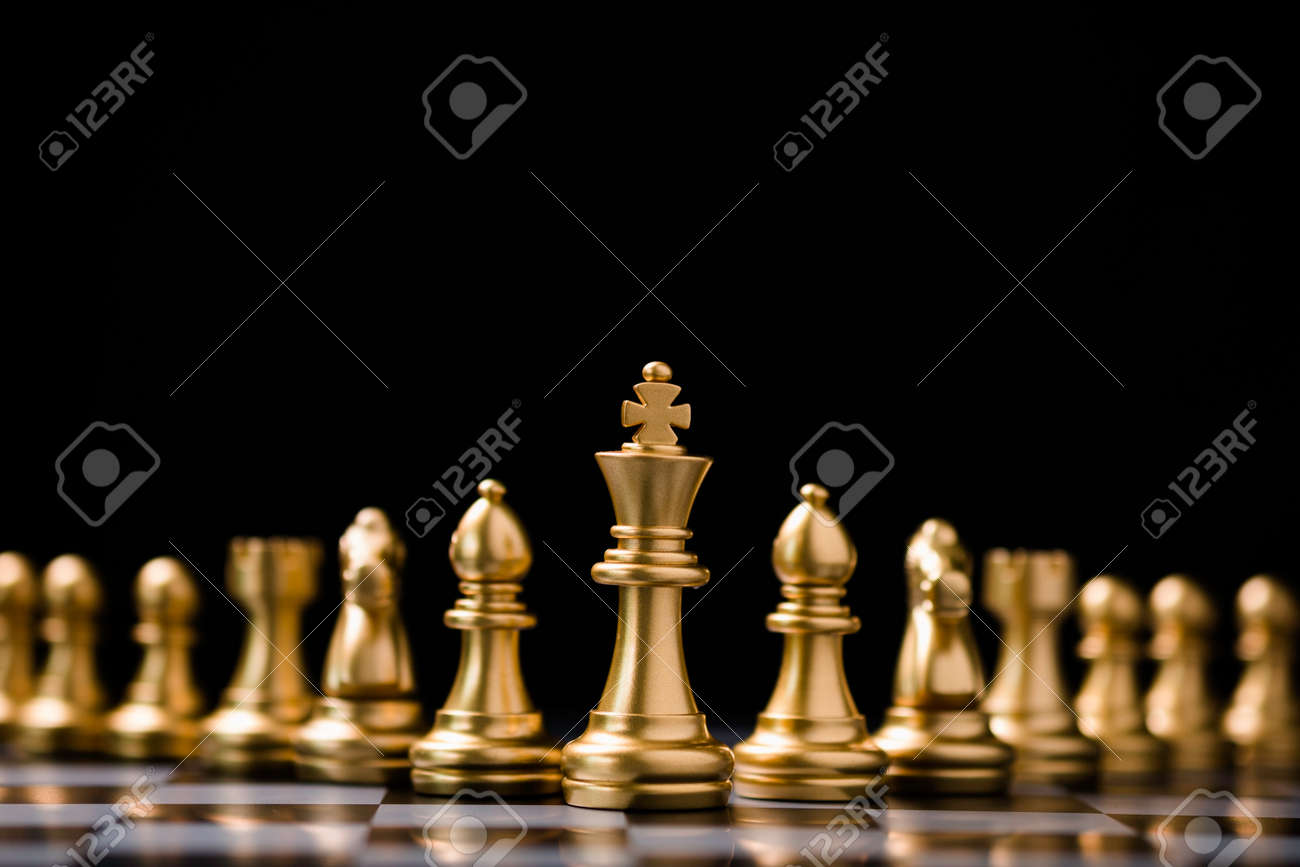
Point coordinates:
[(1109, 704), (363, 726), (488, 734), (1029, 591), (66, 712), (17, 608), (160, 715), (937, 740), (1263, 719), (647, 746), (253, 727), (1181, 709), (810, 744)]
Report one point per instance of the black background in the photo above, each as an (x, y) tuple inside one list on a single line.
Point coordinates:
[(827, 294)]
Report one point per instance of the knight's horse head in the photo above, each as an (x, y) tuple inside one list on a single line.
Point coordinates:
[(938, 568), (371, 556)]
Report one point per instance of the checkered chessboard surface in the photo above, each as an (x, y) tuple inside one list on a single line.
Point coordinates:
[(77, 814)]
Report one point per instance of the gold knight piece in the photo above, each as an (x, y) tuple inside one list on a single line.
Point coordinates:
[(647, 746)]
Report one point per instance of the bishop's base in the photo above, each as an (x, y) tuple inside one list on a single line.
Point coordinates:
[(647, 762), (149, 731), (248, 740), (943, 752), (800, 759), (358, 740), (1049, 748), (509, 754)]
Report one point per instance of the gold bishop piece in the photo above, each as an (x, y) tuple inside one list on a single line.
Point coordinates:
[(253, 727), (17, 606), (66, 712), (1108, 703), (488, 734), (161, 713), (811, 744), (1263, 719), (1028, 590), (364, 724), (937, 741), (647, 746)]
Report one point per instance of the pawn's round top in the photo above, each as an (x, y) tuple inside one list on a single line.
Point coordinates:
[(71, 586), (17, 581), (1265, 600), (1110, 603), (1176, 600), (165, 590), (811, 546), (490, 543), (657, 371)]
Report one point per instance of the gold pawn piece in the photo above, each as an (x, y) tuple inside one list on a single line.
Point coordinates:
[(252, 729), (647, 746), (937, 742), (811, 744), (160, 715), (1180, 708), (1028, 590), (17, 608), (488, 734), (1108, 703), (66, 713), (364, 724), (1263, 719)]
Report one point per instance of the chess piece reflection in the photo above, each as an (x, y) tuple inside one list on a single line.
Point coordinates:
[(364, 725), (253, 728), (488, 734), (1263, 719), (17, 607), (937, 742), (1180, 708), (647, 745), (66, 713), (160, 715), (811, 744), (1028, 591), (1108, 703)]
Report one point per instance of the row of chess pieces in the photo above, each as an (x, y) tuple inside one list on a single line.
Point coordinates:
[(647, 745)]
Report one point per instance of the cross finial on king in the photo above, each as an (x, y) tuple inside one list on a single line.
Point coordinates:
[(656, 414)]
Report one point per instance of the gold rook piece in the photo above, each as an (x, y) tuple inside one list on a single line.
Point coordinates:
[(1028, 590), (811, 744), (17, 606), (364, 724), (252, 729), (66, 714), (1180, 708), (1263, 720), (488, 734), (1108, 703), (937, 741), (647, 745), (160, 715)]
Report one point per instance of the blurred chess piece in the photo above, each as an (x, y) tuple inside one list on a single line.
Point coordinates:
[(1028, 591), (17, 609), (1109, 703), (488, 734), (364, 724), (811, 743), (1263, 719), (1181, 710), (252, 729), (647, 746), (937, 741), (66, 713), (160, 715)]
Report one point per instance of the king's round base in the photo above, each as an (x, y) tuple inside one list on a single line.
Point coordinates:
[(797, 759), (509, 754), (647, 762), (358, 741), (943, 752)]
